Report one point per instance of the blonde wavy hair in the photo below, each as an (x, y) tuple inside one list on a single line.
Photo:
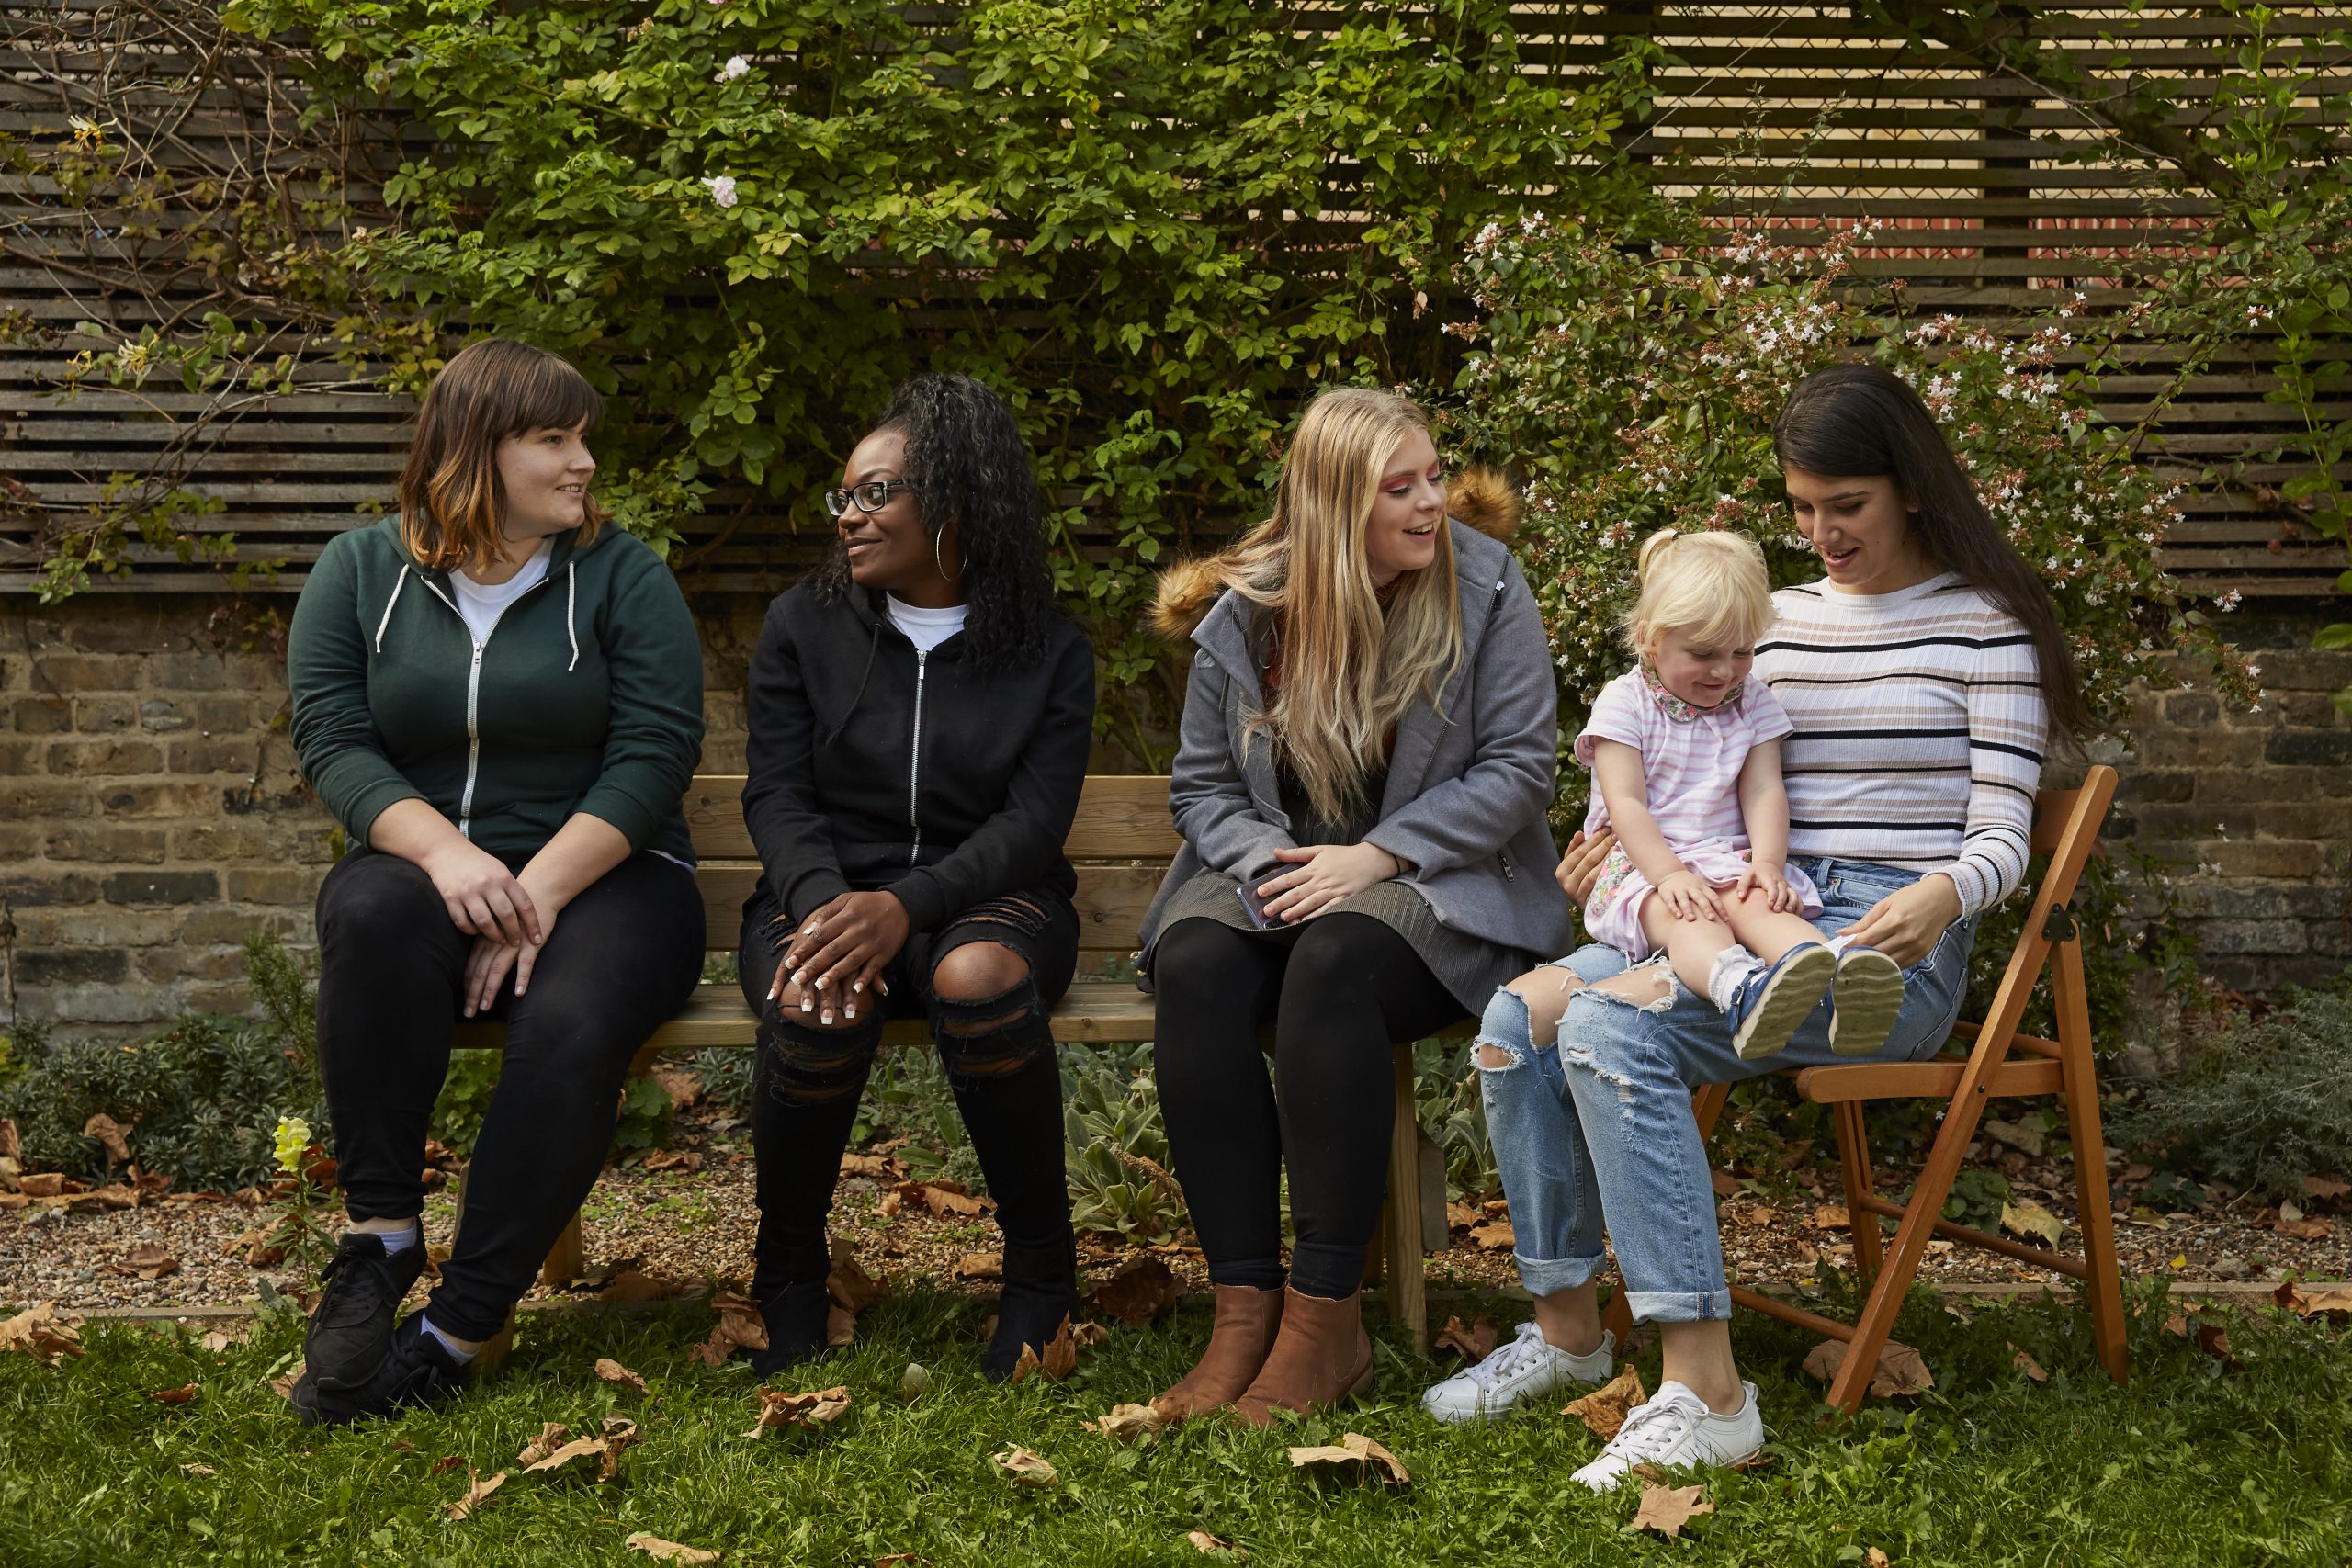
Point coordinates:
[(1710, 587), (1349, 669)]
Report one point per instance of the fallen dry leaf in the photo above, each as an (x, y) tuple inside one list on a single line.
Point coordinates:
[(1899, 1371), (879, 1167), (611, 1371), (1832, 1217), (2027, 1364), (108, 1134), (1057, 1362), (119, 1196), (283, 1386), (683, 1086), (148, 1261), (579, 1447), (2305, 1230), (1460, 1216), (2334, 1302), (40, 1333), (47, 1184), (1475, 1343), (2318, 1187), (446, 1463), (1605, 1408), (980, 1266), (661, 1550), (739, 1323), (2030, 1219), (778, 1409), (1140, 1295), (1023, 1468), (1356, 1455), (193, 1467), (1203, 1541), (478, 1493), (620, 1432), (943, 1198), (550, 1438), (1877, 1559), (688, 1160), (219, 1339), (2214, 1340), (1495, 1236), (635, 1285), (847, 1285), (174, 1396), (1085, 1336), (1666, 1509), (1130, 1424)]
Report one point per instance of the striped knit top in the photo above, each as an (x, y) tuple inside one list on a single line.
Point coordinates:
[(1920, 731)]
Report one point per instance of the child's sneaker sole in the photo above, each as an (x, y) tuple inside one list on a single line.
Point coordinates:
[(1790, 995), (1866, 998)]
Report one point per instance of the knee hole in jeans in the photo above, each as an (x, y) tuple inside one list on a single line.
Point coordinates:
[(811, 1065)]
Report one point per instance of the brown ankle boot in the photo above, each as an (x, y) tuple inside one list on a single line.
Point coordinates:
[(1321, 1357), (1246, 1321)]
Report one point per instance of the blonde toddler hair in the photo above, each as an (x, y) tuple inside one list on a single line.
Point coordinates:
[(1710, 586)]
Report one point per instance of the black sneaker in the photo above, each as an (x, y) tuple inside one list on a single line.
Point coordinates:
[(796, 1317), (417, 1369), (351, 1328)]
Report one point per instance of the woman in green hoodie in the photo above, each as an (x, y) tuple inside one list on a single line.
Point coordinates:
[(500, 701)]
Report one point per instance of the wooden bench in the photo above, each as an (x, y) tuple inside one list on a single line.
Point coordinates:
[(1982, 1060), (1121, 845)]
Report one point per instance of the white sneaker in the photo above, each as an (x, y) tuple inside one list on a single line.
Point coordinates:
[(1676, 1428), (1526, 1368)]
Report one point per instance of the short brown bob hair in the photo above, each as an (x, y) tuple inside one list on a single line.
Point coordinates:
[(451, 500)]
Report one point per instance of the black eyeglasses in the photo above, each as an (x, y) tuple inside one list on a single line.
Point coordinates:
[(872, 496)]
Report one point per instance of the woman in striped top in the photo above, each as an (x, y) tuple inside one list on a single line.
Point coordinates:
[(1925, 674)]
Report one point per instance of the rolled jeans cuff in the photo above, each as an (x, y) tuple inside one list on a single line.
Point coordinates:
[(1677, 1306), (1548, 1276)]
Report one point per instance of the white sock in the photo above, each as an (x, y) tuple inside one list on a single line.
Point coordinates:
[(1732, 968), (395, 1242), (457, 1351), (1837, 944)]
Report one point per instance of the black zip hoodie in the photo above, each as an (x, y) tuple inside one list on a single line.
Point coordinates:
[(873, 766)]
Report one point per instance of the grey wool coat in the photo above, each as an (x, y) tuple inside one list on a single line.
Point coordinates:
[(1467, 792)]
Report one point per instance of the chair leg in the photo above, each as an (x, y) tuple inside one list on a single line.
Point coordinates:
[(1854, 1157), (2103, 1287), (1408, 1286)]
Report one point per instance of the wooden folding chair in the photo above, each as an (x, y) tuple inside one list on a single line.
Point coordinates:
[(2065, 828)]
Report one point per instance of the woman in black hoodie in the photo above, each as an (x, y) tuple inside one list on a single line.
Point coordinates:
[(920, 717)]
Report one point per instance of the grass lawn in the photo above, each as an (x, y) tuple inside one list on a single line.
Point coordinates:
[(2196, 1462)]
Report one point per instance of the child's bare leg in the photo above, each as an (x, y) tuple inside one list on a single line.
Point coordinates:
[(1767, 932), (1690, 945)]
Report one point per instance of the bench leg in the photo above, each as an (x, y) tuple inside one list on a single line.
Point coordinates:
[(566, 1260), (1408, 1289)]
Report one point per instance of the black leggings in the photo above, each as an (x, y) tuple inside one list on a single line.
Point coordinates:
[(999, 1052), (1341, 990), (623, 958)]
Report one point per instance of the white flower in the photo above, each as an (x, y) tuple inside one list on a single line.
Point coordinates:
[(722, 188), (736, 66)]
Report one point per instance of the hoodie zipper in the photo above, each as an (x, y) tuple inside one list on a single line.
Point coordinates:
[(473, 699), (915, 758)]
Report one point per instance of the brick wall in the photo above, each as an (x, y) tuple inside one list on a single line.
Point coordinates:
[(151, 816)]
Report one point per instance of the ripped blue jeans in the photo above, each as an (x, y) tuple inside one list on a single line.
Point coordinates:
[(1598, 1123)]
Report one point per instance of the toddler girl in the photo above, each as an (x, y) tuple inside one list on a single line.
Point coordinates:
[(1685, 756)]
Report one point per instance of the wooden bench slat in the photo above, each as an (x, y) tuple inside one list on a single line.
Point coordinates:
[(1111, 904), (1120, 817)]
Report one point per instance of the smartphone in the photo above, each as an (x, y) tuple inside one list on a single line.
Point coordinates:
[(1252, 901)]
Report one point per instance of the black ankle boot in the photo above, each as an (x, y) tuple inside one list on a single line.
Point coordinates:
[(1040, 1295), (796, 1317)]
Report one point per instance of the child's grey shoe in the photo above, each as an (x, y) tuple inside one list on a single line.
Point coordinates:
[(1527, 1366), (1866, 998), (1773, 1001)]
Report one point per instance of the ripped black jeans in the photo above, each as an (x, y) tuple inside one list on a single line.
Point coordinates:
[(999, 1052)]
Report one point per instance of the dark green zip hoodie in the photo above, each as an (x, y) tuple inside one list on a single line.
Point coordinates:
[(586, 696)]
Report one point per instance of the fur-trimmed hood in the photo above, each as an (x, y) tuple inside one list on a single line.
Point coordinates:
[(1478, 498)]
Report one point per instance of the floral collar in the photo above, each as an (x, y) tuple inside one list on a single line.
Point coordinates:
[(1675, 708)]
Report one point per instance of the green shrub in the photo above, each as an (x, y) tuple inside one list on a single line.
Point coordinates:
[(1121, 1174), (2265, 1102)]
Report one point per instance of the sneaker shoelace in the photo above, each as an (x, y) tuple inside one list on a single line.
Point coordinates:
[(1654, 1429), (356, 1283), (1508, 1358)]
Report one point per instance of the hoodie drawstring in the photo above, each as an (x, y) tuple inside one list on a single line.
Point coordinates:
[(571, 600), (397, 583), (872, 643)]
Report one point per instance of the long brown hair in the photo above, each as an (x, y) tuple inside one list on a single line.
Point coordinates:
[(452, 505), (1860, 421), (1349, 671)]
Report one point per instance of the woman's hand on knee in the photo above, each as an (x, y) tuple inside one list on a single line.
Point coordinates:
[(484, 898), (1327, 874), (1580, 866), (487, 968), (841, 950), (1908, 921)]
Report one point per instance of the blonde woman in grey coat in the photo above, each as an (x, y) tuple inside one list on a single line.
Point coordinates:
[(1366, 760)]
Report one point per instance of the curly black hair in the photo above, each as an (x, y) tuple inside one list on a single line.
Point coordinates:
[(967, 465)]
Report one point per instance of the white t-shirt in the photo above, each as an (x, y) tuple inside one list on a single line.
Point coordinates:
[(482, 605), (926, 628)]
